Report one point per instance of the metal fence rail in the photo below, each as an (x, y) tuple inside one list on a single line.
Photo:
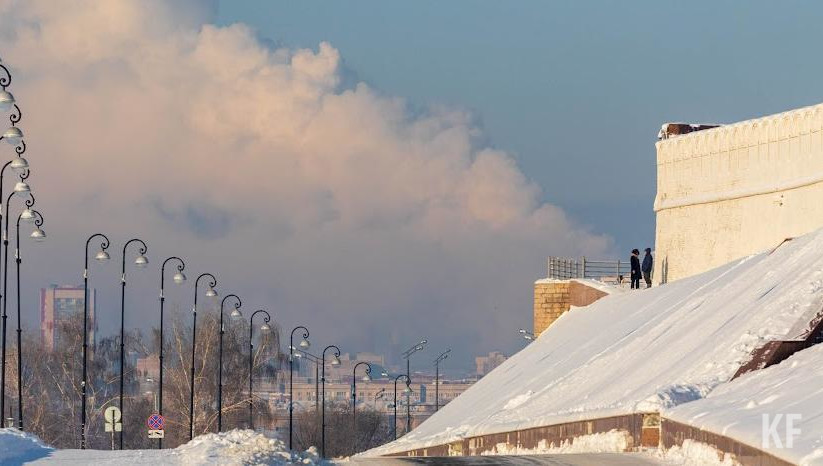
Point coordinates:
[(563, 268)]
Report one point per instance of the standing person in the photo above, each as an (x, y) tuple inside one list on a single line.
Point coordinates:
[(636, 274), (648, 264)]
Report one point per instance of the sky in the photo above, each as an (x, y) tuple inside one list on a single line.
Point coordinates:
[(380, 172)]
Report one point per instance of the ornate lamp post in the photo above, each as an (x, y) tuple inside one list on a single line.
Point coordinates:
[(264, 329), (210, 293), (317, 362), (527, 335), (407, 356), (27, 215), (334, 362), (235, 314), (304, 344), (140, 261), (178, 278), (407, 391), (101, 256), (21, 189), (366, 378), (14, 136), (443, 355)]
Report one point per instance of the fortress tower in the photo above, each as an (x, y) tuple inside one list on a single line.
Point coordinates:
[(730, 191)]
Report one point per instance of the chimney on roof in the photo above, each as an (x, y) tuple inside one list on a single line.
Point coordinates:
[(676, 129)]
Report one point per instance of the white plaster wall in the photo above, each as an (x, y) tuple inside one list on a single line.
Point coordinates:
[(731, 191)]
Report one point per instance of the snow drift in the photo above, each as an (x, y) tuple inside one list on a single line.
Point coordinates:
[(791, 388), (235, 447), (19, 447), (641, 351)]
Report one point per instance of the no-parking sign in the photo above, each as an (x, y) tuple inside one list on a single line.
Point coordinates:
[(156, 424)]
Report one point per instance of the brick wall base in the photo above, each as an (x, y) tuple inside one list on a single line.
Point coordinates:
[(554, 297)]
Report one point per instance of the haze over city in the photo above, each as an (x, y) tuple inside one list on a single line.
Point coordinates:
[(376, 171)]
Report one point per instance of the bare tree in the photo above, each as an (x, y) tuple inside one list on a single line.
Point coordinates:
[(342, 439), (51, 388)]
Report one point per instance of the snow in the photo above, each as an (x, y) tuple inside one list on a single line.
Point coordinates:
[(737, 409), (235, 447), (641, 351), (19, 447), (606, 442), (596, 284), (693, 453)]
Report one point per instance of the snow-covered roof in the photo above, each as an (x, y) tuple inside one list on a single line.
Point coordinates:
[(640, 351)]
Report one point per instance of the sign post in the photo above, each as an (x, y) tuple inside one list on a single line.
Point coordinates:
[(156, 424), (112, 415)]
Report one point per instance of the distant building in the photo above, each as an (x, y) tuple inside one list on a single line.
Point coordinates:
[(148, 367), (486, 364), (60, 303)]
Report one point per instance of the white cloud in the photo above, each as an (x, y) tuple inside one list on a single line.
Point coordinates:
[(337, 205)]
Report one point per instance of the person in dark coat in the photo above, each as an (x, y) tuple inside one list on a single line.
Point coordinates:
[(636, 273), (648, 265)]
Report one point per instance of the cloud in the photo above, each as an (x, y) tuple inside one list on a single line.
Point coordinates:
[(333, 204), (200, 219)]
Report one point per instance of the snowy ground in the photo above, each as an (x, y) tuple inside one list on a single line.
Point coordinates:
[(647, 350), (236, 447), (791, 388)]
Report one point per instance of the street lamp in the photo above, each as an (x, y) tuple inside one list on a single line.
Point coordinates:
[(366, 378), (140, 261), (178, 278), (407, 391), (527, 335), (316, 362), (27, 215), (19, 165), (304, 344), (235, 314), (21, 189), (334, 362), (264, 329), (210, 293), (407, 356), (13, 136), (443, 355), (101, 256)]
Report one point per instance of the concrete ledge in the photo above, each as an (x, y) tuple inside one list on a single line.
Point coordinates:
[(637, 427), (643, 430), (674, 433)]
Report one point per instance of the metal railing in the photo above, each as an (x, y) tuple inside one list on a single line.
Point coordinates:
[(563, 268)]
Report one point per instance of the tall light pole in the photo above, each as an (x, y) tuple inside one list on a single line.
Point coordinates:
[(304, 344), (27, 215), (101, 256), (317, 363), (21, 188), (140, 261), (366, 378), (407, 391), (178, 278), (443, 355), (14, 136), (334, 362), (210, 293), (235, 314), (263, 329), (407, 356)]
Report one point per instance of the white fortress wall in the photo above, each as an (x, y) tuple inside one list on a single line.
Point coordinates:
[(735, 190)]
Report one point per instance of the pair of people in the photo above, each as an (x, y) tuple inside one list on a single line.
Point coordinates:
[(644, 270)]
